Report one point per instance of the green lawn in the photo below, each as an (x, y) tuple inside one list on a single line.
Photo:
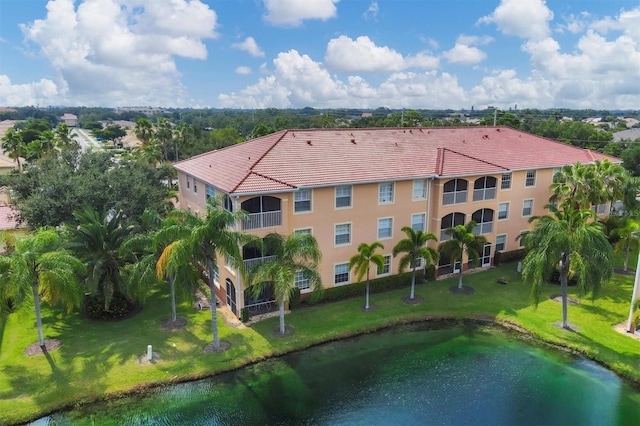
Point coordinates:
[(98, 359)]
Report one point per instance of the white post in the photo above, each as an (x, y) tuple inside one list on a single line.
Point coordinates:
[(634, 296), (149, 353)]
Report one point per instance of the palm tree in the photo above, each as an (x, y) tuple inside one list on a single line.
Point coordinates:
[(572, 241), (209, 237), (183, 134), (362, 263), (40, 267), (96, 239), (13, 146), (463, 242), (629, 238), (144, 131), (576, 182), (64, 136), (414, 247), (163, 135), (294, 254)]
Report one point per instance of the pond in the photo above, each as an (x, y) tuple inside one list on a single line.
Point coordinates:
[(409, 375)]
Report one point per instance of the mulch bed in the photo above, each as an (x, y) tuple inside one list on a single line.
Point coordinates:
[(36, 349), (224, 345), (288, 330), (372, 308), (416, 299), (570, 300), (464, 291), (623, 272), (572, 328), (169, 325)]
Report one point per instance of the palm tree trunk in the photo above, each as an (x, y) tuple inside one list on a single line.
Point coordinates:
[(564, 278), (173, 298), (626, 258), (214, 314), (366, 303), (460, 277), (36, 301), (282, 316), (413, 281)]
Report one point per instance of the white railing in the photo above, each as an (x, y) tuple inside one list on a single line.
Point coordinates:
[(250, 263), (262, 220)]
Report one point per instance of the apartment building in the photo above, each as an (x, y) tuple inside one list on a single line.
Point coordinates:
[(348, 186)]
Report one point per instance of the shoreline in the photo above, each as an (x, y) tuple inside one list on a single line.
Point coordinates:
[(437, 320)]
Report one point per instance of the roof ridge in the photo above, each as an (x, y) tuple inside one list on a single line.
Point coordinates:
[(262, 176), (473, 158), (275, 142), (439, 160)]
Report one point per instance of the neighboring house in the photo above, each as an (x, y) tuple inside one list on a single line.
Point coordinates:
[(70, 120), (348, 186), (8, 223)]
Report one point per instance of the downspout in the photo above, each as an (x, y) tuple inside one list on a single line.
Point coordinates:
[(236, 208)]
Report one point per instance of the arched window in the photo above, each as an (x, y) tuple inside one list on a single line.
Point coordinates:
[(455, 192), (484, 221), (449, 221), (484, 188)]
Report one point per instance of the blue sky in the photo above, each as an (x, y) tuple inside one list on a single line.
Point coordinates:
[(321, 53)]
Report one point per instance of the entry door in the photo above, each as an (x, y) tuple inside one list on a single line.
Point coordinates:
[(486, 255), (231, 296)]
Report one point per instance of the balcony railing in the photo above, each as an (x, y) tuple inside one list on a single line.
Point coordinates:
[(250, 263), (262, 220), (483, 228)]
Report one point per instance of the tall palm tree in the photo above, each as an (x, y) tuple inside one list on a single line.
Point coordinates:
[(14, 146), (576, 182), (96, 238), (64, 136), (629, 238), (463, 242), (144, 131), (362, 261), (209, 237), (183, 134), (613, 178), (294, 254), (415, 248), (572, 241), (41, 268), (163, 135)]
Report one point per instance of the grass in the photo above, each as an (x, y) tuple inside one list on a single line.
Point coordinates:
[(101, 359)]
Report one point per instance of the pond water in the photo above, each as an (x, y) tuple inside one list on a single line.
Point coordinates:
[(409, 375)]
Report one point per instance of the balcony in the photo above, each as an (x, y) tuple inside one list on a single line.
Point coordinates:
[(250, 263), (262, 220)]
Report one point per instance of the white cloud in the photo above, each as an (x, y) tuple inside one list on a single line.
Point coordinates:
[(574, 24), (119, 52), (464, 55), (243, 70), (523, 18), (363, 55), (627, 21), (43, 92), (249, 45), (291, 13), (372, 12)]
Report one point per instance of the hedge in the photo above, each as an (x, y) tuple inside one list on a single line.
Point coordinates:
[(509, 256)]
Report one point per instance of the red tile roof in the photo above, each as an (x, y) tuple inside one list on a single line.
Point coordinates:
[(319, 157), (8, 218)]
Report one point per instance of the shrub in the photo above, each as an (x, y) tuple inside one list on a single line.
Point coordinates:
[(378, 285), (635, 320), (509, 256), (430, 272), (294, 300), (119, 308), (244, 314)]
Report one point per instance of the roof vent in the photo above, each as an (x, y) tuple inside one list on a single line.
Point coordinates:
[(353, 141), (410, 131), (293, 134), (498, 129), (309, 143)]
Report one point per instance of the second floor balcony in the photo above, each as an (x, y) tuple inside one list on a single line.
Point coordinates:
[(262, 220)]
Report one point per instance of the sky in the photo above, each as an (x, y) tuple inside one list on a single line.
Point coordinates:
[(252, 54)]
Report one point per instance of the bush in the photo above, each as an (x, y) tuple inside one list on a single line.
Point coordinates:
[(509, 256), (119, 308), (294, 300), (635, 320), (430, 272), (378, 285), (244, 314)]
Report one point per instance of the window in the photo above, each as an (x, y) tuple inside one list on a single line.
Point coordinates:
[(417, 222), (384, 228), (527, 207), (343, 234), (341, 273), (503, 211), (484, 221), (501, 242), (419, 189), (449, 221), (301, 281), (210, 191), (599, 209), (505, 182), (530, 180), (386, 267), (216, 274), (385, 193), (455, 191), (188, 182), (343, 196), (484, 188), (521, 239), (302, 231), (228, 203), (195, 185), (302, 201)]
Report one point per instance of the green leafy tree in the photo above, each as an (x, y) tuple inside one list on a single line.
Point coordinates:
[(571, 241), (13, 146), (463, 242), (64, 136), (209, 237), (41, 268), (96, 238), (294, 254), (415, 248), (361, 263), (628, 235)]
